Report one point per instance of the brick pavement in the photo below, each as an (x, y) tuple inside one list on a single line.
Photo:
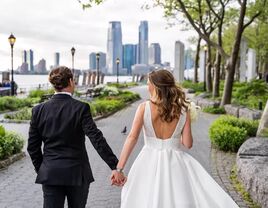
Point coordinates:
[(17, 188)]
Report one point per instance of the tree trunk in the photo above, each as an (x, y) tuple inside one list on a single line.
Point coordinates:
[(197, 61), (216, 83), (228, 85), (208, 72)]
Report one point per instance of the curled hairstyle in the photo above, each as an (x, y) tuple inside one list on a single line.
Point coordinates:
[(171, 99), (60, 77)]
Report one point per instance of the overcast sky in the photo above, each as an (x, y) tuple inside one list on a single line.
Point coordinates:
[(48, 26)]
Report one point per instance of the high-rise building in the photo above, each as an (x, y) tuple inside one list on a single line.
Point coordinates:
[(179, 61), (114, 47), (136, 53), (30, 60), (102, 62), (92, 61), (24, 56), (155, 53), (143, 42), (56, 59), (129, 57), (189, 56), (41, 67)]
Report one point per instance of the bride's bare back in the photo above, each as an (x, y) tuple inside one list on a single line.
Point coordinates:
[(163, 130)]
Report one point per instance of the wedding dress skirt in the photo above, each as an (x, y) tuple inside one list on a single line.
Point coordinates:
[(163, 176)]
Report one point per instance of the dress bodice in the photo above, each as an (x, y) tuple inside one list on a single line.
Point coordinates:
[(150, 138)]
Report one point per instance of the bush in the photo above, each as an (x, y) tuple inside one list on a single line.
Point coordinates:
[(227, 137), (216, 110), (123, 85), (39, 93), (10, 143), (106, 106), (13, 103), (24, 114), (228, 132), (197, 87), (250, 94)]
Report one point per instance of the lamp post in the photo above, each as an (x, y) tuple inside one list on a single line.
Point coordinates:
[(73, 51), (98, 68), (12, 41), (205, 68), (117, 69)]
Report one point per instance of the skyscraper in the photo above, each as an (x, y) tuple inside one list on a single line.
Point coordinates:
[(41, 67), (114, 46), (155, 53), (24, 56), (102, 62), (56, 59), (92, 61), (143, 42), (129, 57), (30, 57)]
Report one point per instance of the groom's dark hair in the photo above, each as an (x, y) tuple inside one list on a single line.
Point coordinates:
[(60, 77)]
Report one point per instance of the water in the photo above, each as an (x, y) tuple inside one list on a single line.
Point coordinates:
[(29, 82)]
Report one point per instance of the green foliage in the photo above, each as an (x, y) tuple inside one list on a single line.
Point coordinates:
[(228, 132), (108, 104), (13, 103), (197, 87), (241, 189), (123, 85), (216, 110), (10, 143), (39, 93), (24, 114), (250, 94)]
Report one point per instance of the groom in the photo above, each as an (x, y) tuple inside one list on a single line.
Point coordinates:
[(61, 124)]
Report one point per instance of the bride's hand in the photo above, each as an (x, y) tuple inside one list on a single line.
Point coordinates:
[(118, 178)]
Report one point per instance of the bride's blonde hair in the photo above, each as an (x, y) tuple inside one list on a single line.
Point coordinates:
[(171, 100)]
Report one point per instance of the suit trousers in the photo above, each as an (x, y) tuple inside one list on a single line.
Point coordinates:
[(54, 196)]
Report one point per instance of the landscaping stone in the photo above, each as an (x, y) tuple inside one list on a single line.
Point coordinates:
[(263, 126), (232, 110), (252, 168), (5, 163), (249, 114), (208, 103)]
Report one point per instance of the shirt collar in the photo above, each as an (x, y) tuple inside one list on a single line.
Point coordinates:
[(64, 93)]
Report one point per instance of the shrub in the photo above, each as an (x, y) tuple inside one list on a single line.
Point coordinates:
[(228, 132), (105, 106), (216, 110), (10, 143), (24, 114), (13, 103), (227, 137), (39, 93), (197, 87)]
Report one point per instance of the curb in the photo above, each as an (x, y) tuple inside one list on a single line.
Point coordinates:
[(5, 163)]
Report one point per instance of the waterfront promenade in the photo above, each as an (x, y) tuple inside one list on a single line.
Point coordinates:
[(17, 188)]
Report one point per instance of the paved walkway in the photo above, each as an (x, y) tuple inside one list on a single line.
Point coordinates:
[(17, 188)]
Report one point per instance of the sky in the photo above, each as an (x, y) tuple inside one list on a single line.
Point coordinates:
[(49, 26)]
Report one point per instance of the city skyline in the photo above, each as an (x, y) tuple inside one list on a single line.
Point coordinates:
[(64, 27)]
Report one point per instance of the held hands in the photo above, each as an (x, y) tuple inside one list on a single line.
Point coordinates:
[(118, 178)]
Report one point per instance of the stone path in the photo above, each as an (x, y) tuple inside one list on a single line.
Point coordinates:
[(17, 188)]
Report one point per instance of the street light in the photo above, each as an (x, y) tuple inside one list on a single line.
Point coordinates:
[(98, 68), (117, 69), (205, 67), (73, 51), (12, 41)]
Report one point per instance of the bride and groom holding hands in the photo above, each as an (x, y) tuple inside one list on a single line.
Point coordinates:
[(162, 176)]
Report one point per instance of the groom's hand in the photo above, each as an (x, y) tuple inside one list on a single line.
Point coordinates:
[(118, 178)]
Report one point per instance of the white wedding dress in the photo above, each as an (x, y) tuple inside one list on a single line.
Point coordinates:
[(163, 176)]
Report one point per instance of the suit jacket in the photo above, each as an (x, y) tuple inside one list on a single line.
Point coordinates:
[(61, 124)]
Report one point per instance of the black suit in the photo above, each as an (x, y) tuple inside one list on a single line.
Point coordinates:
[(61, 124)]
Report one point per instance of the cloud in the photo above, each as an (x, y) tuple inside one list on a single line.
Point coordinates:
[(48, 26)]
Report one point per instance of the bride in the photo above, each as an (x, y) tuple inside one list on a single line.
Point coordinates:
[(163, 176)]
